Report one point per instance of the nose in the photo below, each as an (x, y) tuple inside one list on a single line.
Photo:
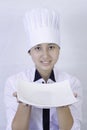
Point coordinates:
[(45, 53)]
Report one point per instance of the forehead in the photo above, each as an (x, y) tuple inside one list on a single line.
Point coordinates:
[(46, 44)]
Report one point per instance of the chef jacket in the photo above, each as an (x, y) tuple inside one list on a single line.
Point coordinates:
[(35, 123)]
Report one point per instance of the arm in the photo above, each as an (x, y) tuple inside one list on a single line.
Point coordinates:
[(74, 110), (21, 119), (15, 112), (65, 118)]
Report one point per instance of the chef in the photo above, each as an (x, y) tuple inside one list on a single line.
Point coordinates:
[(43, 46)]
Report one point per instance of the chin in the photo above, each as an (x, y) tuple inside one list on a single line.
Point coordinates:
[(47, 68)]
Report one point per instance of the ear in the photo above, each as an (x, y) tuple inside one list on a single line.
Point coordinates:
[(58, 49), (29, 52)]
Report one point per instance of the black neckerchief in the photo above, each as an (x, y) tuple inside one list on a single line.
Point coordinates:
[(46, 112), (38, 76)]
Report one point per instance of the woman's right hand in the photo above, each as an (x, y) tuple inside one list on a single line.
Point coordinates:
[(15, 95)]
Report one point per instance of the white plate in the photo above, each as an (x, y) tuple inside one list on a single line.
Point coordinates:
[(45, 95)]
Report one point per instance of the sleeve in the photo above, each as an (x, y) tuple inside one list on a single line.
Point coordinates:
[(76, 108), (10, 102)]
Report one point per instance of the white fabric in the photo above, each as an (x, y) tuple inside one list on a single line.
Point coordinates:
[(36, 113), (41, 26), (45, 95)]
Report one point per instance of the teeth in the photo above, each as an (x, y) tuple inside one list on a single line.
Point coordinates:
[(46, 62)]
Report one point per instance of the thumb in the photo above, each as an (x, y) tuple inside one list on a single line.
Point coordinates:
[(15, 94)]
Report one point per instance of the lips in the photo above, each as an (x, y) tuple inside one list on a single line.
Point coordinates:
[(45, 62)]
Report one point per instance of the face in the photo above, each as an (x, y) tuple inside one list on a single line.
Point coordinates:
[(45, 56)]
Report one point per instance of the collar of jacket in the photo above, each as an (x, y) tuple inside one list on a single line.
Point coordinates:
[(38, 76)]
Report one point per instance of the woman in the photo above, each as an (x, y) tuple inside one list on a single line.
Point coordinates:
[(42, 29)]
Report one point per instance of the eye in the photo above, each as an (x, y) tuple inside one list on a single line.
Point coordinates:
[(51, 47), (37, 48)]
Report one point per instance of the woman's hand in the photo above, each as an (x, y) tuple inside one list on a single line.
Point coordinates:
[(75, 94), (65, 118), (15, 95), (22, 116)]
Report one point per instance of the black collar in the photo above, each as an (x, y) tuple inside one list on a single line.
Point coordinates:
[(38, 76)]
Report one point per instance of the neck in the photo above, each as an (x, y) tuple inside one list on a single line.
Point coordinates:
[(45, 74)]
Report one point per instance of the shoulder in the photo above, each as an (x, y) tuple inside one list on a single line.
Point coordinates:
[(27, 75), (61, 75)]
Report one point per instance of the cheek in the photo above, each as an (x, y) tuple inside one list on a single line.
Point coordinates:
[(34, 57), (55, 55)]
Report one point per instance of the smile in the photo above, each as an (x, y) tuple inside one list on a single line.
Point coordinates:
[(46, 62)]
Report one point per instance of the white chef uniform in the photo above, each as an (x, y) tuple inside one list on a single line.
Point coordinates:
[(36, 113)]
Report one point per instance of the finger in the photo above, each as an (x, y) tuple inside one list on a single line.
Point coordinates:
[(75, 94), (15, 94)]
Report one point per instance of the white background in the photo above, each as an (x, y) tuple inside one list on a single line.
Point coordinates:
[(73, 30)]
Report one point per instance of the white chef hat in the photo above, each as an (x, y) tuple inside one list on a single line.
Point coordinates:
[(41, 26)]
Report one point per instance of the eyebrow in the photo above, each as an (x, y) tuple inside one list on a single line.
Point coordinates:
[(46, 43), (51, 44)]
